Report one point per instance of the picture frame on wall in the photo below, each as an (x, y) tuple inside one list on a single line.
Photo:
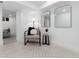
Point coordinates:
[(5, 19)]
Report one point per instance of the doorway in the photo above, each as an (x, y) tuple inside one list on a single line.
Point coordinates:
[(9, 26)]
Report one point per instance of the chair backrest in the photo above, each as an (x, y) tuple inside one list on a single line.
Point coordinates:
[(38, 31)]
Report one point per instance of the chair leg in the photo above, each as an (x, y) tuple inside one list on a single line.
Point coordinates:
[(25, 42), (39, 41)]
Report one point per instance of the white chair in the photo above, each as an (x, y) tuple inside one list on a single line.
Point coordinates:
[(36, 34)]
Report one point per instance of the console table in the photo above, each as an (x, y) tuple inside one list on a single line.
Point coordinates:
[(45, 39)]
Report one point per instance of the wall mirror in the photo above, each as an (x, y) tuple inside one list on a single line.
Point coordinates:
[(45, 19), (62, 17)]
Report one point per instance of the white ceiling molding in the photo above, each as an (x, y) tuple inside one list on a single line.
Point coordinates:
[(19, 5), (27, 4), (48, 3)]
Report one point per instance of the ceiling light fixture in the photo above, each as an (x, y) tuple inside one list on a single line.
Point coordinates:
[(64, 10), (10, 15)]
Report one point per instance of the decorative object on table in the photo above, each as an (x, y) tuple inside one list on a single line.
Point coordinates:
[(34, 34), (45, 22), (63, 17), (46, 30), (46, 38)]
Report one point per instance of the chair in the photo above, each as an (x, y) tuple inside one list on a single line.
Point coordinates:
[(28, 36), (6, 33)]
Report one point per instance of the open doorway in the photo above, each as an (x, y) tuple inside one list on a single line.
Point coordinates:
[(9, 26)]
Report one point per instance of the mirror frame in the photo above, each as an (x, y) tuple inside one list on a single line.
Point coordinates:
[(42, 18), (70, 17)]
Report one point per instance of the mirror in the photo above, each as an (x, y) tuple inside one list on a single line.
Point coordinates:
[(46, 19), (62, 17)]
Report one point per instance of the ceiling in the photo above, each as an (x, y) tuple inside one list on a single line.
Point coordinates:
[(32, 4), (37, 3), (11, 7), (18, 5)]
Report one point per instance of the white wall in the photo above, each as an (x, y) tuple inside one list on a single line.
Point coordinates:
[(10, 24), (1, 38), (66, 37)]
